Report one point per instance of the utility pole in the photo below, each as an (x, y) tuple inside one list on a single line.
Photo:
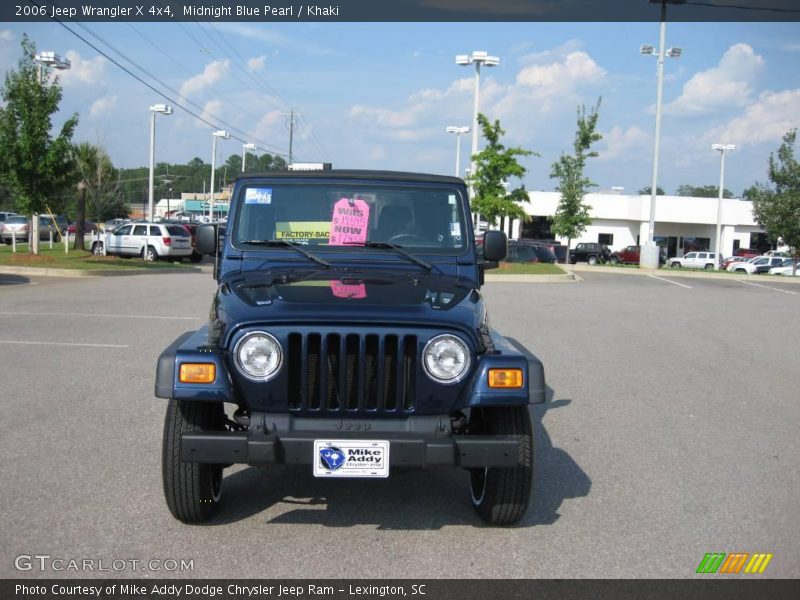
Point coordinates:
[(291, 126)]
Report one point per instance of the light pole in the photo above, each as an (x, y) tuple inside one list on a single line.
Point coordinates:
[(50, 59), (44, 59), (245, 148), (217, 134), (164, 110), (458, 131), (649, 254), (477, 58), (722, 149)]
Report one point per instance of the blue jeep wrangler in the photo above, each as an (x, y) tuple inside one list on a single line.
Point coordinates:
[(348, 335)]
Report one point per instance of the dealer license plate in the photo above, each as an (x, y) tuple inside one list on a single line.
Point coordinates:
[(351, 458)]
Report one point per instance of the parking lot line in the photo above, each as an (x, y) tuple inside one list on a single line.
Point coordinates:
[(28, 343), (683, 285), (766, 287), (59, 314)]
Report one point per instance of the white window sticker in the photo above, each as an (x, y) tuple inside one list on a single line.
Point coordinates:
[(451, 198), (455, 229), (258, 196)]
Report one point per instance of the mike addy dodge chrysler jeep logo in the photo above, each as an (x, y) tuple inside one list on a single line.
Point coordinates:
[(720, 562)]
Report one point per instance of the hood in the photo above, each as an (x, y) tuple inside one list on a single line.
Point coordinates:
[(344, 296)]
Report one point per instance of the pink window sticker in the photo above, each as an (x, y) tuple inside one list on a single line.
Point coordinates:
[(348, 290), (349, 222)]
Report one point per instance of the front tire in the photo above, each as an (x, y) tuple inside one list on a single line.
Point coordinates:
[(501, 495), (192, 490), (592, 260), (675, 265), (97, 249)]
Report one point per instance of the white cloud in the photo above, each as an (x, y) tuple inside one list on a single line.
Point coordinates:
[(272, 125), (561, 76), (624, 142), (83, 71), (727, 85), (6, 35), (765, 120), (211, 110), (257, 63), (212, 73), (102, 105)]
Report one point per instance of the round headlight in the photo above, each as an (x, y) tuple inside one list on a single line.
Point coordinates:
[(446, 359), (258, 355)]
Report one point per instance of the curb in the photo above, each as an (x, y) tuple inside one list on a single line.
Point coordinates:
[(699, 274), (567, 277), (47, 272)]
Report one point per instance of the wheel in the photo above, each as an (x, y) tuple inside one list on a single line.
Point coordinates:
[(149, 254), (196, 257), (613, 260), (572, 261), (741, 270), (675, 264), (97, 249), (708, 267), (192, 490), (592, 260), (501, 495), (56, 238)]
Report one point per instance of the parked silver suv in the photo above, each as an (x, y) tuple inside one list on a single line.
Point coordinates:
[(150, 240)]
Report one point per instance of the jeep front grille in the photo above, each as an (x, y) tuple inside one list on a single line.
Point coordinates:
[(341, 373)]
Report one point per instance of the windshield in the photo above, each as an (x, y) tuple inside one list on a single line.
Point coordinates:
[(342, 216)]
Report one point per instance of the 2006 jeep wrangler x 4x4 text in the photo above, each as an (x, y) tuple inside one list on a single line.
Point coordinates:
[(348, 334)]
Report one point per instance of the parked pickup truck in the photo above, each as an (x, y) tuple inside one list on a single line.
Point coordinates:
[(148, 240), (630, 256), (348, 335)]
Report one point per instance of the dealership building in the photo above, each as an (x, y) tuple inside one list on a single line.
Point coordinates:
[(682, 224)]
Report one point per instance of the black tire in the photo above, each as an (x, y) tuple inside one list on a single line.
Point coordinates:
[(708, 267), (149, 254), (675, 265), (192, 490), (196, 257), (592, 260), (97, 249), (501, 495), (740, 270), (572, 261), (613, 260), (56, 238)]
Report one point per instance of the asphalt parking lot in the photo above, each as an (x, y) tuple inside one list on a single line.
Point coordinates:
[(671, 431)]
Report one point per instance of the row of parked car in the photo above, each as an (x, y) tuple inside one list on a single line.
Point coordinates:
[(151, 241)]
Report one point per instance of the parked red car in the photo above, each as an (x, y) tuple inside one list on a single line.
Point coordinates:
[(630, 256), (746, 253), (88, 227)]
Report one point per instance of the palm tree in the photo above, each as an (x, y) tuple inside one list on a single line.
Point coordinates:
[(94, 172)]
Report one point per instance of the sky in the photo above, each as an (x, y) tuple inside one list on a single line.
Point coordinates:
[(380, 95)]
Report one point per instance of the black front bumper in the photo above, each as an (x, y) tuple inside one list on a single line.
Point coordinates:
[(413, 442)]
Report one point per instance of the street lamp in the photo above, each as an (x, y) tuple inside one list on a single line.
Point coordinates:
[(245, 148), (217, 134), (50, 59), (649, 255), (722, 149), (458, 131), (164, 110), (477, 58)]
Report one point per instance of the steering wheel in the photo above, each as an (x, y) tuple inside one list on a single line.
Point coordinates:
[(409, 237)]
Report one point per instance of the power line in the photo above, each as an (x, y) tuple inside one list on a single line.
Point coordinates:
[(738, 7)]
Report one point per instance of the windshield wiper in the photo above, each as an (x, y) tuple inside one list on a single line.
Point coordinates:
[(288, 244), (396, 248)]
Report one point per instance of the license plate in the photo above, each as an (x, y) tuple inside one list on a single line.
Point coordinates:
[(351, 458)]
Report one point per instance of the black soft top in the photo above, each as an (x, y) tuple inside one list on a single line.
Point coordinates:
[(353, 174)]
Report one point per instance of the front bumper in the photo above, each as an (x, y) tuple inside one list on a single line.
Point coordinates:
[(413, 442)]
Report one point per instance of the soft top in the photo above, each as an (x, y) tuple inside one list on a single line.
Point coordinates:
[(353, 174)]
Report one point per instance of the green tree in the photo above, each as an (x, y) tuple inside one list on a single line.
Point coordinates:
[(33, 164), (572, 215), (494, 166), (96, 179), (777, 209), (645, 191), (702, 191)]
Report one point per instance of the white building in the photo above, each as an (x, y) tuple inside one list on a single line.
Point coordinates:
[(682, 223)]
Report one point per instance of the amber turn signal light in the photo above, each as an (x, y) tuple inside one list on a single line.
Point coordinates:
[(198, 373), (505, 378)]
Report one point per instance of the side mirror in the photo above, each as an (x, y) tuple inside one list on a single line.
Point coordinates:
[(495, 246), (206, 239)]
